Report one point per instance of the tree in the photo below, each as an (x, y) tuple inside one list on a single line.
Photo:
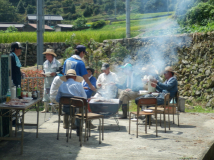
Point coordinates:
[(21, 8), (31, 9), (88, 12), (73, 9), (67, 4), (80, 22), (7, 12)]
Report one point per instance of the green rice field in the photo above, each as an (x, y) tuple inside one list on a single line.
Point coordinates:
[(116, 30)]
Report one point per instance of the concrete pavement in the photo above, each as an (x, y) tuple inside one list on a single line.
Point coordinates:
[(189, 141)]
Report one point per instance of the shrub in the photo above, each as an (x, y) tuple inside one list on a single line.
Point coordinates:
[(98, 24), (83, 6), (32, 83)]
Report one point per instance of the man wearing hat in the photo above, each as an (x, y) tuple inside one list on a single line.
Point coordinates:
[(92, 79), (50, 67), (130, 88), (69, 88), (16, 50), (75, 62), (106, 82), (169, 86)]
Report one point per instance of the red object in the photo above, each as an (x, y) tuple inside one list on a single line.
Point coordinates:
[(89, 109)]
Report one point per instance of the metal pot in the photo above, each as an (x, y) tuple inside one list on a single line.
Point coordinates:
[(106, 107)]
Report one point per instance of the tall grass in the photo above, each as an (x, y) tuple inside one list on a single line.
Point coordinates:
[(97, 35)]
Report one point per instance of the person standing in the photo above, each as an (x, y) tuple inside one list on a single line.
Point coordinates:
[(106, 82), (51, 65), (16, 50), (75, 62), (92, 79)]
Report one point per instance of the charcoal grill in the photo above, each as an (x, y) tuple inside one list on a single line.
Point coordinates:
[(106, 107)]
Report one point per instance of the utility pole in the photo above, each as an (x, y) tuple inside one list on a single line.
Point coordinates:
[(115, 5), (168, 6), (128, 19), (40, 29)]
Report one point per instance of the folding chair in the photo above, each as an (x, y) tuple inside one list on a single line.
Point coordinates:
[(147, 102)]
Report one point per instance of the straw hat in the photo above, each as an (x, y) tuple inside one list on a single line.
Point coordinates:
[(71, 72), (170, 69), (50, 51)]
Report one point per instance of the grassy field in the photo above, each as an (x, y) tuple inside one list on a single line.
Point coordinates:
[(116, 30)]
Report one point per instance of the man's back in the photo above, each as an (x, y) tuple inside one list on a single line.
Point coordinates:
[(76, 64), (70, 88)]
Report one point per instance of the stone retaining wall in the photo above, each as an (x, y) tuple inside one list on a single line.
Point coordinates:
[(191, 54), (31, 57)]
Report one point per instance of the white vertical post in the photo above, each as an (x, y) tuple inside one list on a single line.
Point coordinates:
[(128, 19)]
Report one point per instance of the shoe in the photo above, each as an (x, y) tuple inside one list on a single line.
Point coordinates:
[(124, 116), (44, 111)]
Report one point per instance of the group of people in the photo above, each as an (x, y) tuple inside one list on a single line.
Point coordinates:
[(74, 79)]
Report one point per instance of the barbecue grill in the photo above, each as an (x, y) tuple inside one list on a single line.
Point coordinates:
[(106, 107)]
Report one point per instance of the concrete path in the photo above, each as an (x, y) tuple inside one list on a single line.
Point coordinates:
[(189, 141)]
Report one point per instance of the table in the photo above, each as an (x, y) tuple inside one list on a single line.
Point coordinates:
[(15, 109)]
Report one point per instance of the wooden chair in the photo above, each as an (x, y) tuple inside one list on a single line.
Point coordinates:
[(175, 105), (67, 101), (88, 117), (162, 109), (147, 102)]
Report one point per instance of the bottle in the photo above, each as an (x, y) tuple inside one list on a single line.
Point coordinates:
[(8, 96), (18, 91), (13, 92), (34, 94)]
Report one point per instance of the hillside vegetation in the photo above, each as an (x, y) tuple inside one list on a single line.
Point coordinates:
[(16, 10)]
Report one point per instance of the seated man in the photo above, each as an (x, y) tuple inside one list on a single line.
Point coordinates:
[(169, 86), (69, 88), (55, 86), (150, 72), (92, 79), (106, 82), (130, 88)]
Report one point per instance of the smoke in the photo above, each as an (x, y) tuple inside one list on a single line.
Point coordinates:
[(156, 52)]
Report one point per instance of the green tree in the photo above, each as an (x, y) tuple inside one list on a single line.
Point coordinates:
[(73, 9), (21, 8), (31, 9), (88, 11), (7, 12), (80, 22), (67, 6)]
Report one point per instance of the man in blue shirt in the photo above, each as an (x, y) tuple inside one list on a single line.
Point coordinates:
[(70, 88), (92, 79), (75, 62), (169, 86)]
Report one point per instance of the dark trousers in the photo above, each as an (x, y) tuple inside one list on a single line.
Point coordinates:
[(66, 109)]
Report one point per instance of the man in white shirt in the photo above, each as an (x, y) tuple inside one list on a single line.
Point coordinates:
[(55, 87), (106, 82), (70, 88)]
